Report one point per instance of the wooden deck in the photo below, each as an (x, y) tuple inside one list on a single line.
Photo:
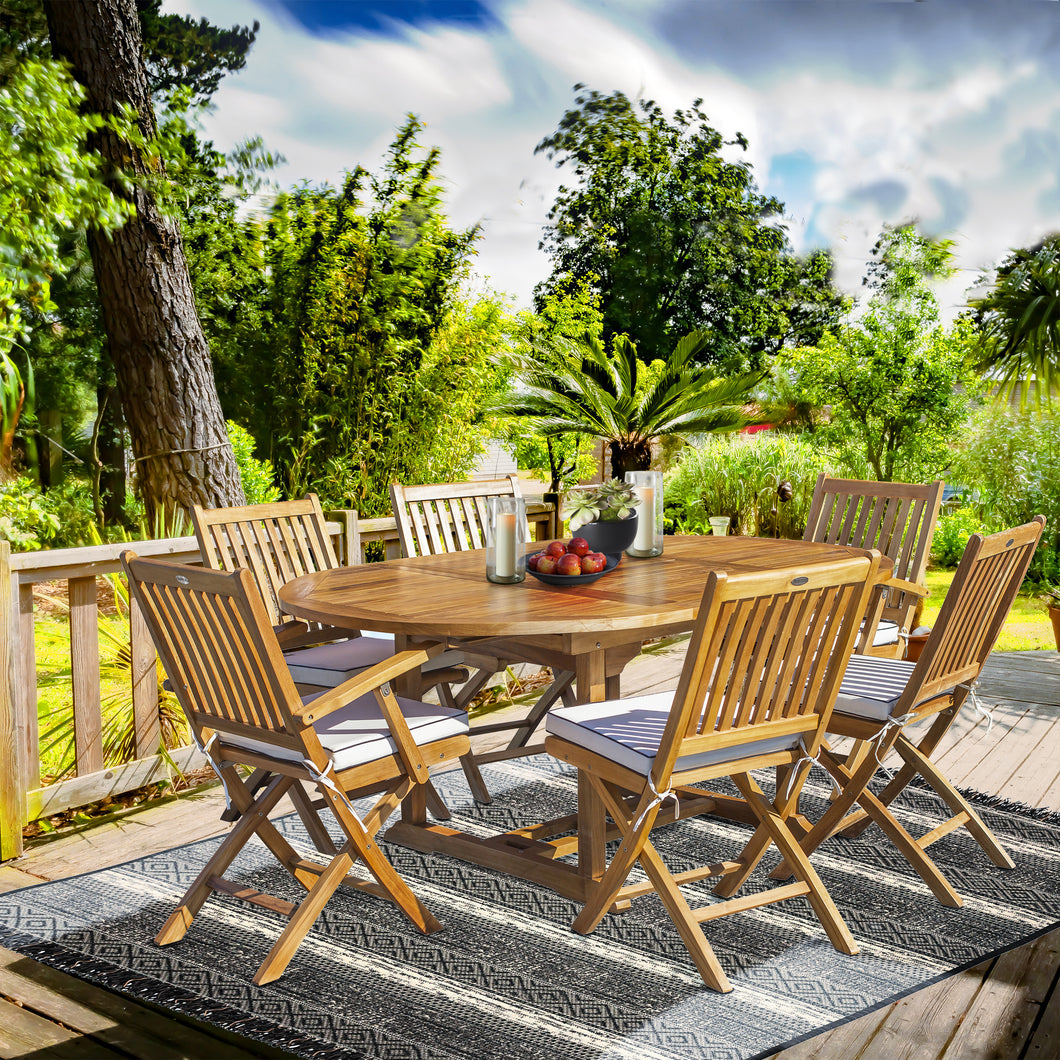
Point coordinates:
[(1007, 1009)]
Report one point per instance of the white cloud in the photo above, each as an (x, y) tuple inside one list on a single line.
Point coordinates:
[(944, 112)]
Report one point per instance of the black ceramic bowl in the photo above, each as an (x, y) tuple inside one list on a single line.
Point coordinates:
[(576, 579)]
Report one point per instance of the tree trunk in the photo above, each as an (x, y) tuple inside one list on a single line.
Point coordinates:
[(159, 351), (630, 456)]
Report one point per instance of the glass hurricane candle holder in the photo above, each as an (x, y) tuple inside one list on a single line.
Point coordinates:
[(505, 539), (648, 488)]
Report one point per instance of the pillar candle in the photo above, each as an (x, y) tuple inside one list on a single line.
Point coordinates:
[(645, 539), (505, 563)]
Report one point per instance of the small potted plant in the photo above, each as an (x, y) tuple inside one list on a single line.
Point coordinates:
[(1051, 596), (605, 515)]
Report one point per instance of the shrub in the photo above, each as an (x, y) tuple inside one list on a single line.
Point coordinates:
[(1011, 460), (952, 533), (257, 476), (27, 519), (738, 476)]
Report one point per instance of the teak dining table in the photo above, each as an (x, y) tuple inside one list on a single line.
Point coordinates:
[(592, 629)]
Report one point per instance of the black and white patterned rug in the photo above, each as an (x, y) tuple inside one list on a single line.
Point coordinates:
[(508, 979)]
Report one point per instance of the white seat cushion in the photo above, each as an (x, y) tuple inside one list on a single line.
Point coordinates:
[(331, 664), (628, 731), (886, 633), (357, 733), (872, 687)]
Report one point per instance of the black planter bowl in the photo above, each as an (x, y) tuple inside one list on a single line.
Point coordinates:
[(576, 579), (609, 538)]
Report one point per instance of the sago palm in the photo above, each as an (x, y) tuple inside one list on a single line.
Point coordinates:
[(582, 388), (1020, 321)]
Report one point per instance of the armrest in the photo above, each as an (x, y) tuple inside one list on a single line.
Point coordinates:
[(906, 586), (366, 681), (290, 629)]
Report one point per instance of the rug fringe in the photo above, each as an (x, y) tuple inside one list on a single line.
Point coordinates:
[(996, 802)]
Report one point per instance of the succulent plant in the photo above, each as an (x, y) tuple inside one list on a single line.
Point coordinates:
[(606, 503)]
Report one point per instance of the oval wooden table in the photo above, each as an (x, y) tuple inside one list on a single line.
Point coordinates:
[(592, 629)]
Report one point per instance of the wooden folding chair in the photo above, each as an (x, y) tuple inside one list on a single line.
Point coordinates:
[(276, 543), (879, 698), (897, 518), (763, 667), (218, 647), (452, 517)]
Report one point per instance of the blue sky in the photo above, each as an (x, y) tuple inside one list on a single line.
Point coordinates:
[(857, 113)]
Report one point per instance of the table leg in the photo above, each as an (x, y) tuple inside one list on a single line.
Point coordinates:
[(592, 685), (592, 831)]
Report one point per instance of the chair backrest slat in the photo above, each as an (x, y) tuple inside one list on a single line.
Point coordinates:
[(766, 657), (446, 517), (275, 542), (898, 518), (988, 577), (216, 643)]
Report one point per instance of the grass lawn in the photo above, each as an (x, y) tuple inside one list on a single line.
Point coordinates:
[(1026, 629)]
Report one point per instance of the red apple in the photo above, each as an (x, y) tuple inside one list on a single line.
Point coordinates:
[(579, 546), (569, 564), (546, 564), (532, 561), (556, 548), (593, 563)]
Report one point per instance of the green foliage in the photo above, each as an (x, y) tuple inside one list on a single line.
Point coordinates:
[(182, 53), (675, 237), (368, 367), (1011, 459), (1020, 323), (50, 184), (28, 521), (895, 380), (952, 533), (583, 388), (258, 476), (739, 477)]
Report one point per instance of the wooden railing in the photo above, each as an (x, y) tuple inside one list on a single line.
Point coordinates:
[(23, 797)]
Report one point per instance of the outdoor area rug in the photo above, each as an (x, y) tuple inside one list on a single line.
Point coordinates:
[(508, 978)]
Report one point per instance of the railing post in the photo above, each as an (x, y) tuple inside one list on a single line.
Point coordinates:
[(350, 552), (12, 787)]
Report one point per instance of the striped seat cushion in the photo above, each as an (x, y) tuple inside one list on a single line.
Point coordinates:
[(628, 731), (331, 664), (872, 687)]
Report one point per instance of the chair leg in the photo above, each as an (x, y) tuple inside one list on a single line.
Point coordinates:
[(252, 814), (314, 826), (956, 802), (856, 789), (561, 687), (479, 792), (358, 846), (762, 839), (827, 912), (636, 846)]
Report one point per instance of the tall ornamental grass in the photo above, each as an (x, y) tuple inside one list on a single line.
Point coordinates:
[(738, 476)]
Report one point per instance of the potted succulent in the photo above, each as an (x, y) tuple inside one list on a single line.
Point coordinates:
[(1051, 596), (605, 515)]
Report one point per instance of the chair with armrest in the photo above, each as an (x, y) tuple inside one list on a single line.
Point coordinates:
[(880, 698), (762, 670), (222, 656), (278, 542), (452, 517), (898, 518)]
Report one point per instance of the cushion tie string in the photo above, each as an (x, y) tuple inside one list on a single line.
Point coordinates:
[(893, 722), (321, 776), (660, 798), (205, 749), (980, 710), (814, 760)]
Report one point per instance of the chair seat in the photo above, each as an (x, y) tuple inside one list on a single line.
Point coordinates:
[(357, 733), (628, 732), (329, 665), (872, 687)]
